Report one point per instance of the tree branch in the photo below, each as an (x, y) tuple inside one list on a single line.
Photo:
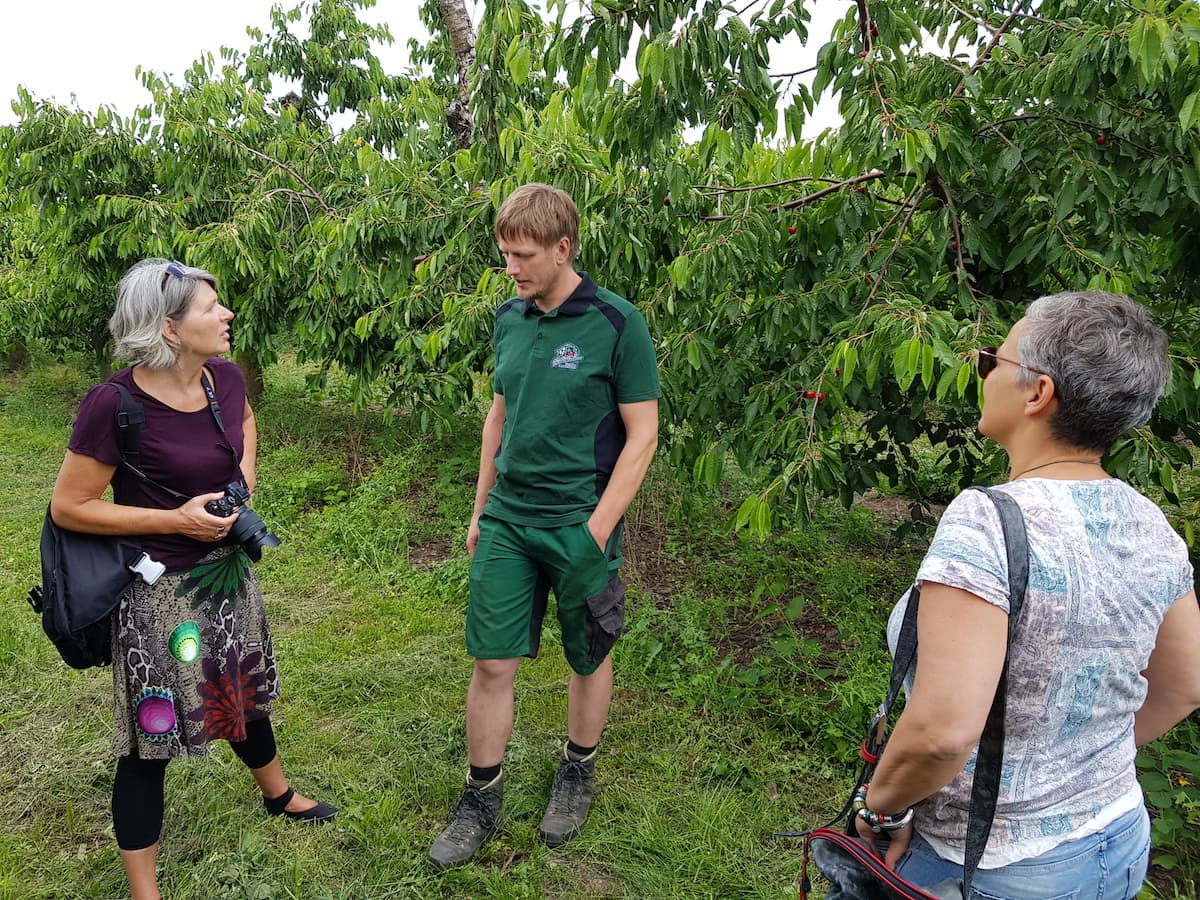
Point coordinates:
[(987, 51), (462, 43), (808, 198), (915, 197), (275, 162)]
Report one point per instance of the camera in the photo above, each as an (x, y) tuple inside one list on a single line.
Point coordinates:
[(248, 528)]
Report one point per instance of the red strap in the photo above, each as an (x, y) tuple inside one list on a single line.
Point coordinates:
[(871, 863), (866, 754)]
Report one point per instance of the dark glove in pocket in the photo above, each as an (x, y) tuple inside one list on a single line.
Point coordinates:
[(606, 618)]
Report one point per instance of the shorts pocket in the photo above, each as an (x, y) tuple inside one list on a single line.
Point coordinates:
[(591, 540), (606, 619)]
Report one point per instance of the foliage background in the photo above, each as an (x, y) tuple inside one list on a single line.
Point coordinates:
[(816, 301)]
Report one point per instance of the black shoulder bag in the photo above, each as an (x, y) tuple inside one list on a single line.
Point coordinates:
[(85, 575), (854, 872)]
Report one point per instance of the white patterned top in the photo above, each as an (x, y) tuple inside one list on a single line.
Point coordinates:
[(1105, 566)]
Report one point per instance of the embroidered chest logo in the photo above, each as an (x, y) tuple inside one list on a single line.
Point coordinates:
[(568, 356)]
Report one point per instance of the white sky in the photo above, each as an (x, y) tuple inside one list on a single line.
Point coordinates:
[(91, 48)]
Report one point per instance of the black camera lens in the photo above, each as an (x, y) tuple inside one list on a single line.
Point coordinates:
[(248, 528), (252, 533)]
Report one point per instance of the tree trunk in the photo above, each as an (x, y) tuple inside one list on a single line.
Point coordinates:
[(16, 356), (247, 361), (462, 42), (101, 356)]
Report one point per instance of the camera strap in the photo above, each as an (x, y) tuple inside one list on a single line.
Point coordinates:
[(214, 406), (131, 418)]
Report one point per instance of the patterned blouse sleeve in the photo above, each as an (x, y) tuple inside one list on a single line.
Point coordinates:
[(968, 550)]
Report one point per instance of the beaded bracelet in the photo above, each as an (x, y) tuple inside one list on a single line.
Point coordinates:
[(879, 822)]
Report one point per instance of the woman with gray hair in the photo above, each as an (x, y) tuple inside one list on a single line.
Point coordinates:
[(192, 654), (1104, 654)]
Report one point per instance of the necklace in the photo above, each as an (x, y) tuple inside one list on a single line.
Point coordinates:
[(1055, 462)]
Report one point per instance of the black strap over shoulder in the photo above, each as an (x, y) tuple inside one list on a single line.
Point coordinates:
[(855, 872), (131, 419), (985, 787), (214, 406)]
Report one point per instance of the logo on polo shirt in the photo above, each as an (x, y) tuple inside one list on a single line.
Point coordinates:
[(568, 356)]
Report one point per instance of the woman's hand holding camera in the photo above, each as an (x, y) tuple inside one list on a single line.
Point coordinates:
[(196, 522)]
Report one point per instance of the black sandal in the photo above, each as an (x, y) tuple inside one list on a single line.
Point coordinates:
[(276, 806)]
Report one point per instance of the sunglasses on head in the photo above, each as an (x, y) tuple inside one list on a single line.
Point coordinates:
[(987, 359), (173, 269)]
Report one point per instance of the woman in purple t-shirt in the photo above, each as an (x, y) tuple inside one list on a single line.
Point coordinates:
[(192, 654)]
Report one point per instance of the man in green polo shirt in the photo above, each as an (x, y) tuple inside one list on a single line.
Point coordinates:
[(572, 429)]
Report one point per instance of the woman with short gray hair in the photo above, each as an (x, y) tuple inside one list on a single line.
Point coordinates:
[(1103, 657), (192, 657)]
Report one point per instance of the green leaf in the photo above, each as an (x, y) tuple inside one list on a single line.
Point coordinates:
[(944, 384), (1145, 46), (912, 152), (746, 511), (1188, 111), (1166, 477), (1064, 203), (901, 365), (871, 376), (965, 371), (1028, 246), (362, 326), (520, 65), (849, 363)]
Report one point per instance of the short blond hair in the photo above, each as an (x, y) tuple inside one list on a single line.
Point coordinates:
[(540, 213)]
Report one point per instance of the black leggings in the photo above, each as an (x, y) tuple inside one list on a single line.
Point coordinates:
[(137, 798)]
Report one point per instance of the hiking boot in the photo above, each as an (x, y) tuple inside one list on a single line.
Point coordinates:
[(570, 800), (472, 821)]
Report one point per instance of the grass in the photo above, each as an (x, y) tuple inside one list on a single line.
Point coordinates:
[(742, 685)]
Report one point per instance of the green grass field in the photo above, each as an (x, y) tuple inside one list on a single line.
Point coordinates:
[(748, 670)]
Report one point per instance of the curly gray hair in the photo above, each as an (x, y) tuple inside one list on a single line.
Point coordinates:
[(1107, 358)]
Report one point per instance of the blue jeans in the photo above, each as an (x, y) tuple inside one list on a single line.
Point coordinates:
[(1108, 865)]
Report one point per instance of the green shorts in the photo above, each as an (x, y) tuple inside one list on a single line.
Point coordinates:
[(514, 569)]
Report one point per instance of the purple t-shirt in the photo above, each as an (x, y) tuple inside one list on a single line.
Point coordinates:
[(183, 450)]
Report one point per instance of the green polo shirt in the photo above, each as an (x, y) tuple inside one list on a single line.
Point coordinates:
[(562, 374)]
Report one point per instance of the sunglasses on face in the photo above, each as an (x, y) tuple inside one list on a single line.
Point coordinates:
[(987, 359)]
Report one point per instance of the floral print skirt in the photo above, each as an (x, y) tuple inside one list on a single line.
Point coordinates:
[(192, 659)]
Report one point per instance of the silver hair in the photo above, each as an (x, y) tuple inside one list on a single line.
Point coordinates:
[(152, 291), (1107, 358)]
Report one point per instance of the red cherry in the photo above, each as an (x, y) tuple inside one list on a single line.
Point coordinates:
[(874, 30), (666, 201), (862, 53), (810, 395), (1100, 139), (954, 245), (820, 397), (837, 371), (791, 229)]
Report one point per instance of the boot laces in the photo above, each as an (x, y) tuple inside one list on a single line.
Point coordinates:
[(566, 793), (472, 811)]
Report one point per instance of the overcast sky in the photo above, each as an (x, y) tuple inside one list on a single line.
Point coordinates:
[(91, 48)]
